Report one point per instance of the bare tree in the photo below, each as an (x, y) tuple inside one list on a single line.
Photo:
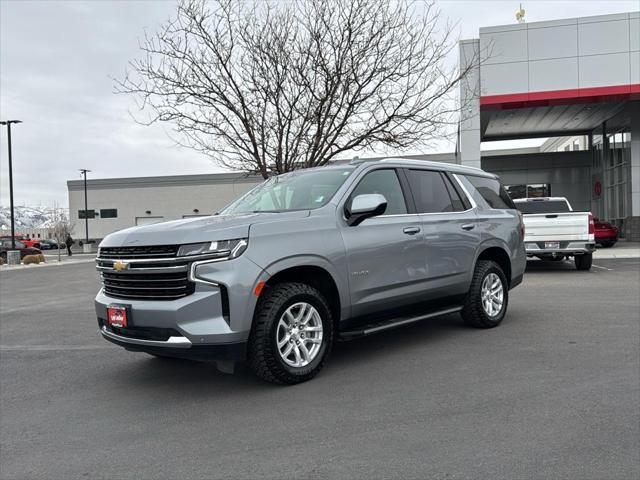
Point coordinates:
[(270, 87), (62, 227)]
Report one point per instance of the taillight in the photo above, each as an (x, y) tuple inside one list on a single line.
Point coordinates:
[(521, 226), (592, 226)]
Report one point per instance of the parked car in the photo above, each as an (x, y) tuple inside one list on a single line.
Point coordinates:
[(311, 256), (48, 244), (5, 246), (606, 234), (554, 231), (29, 242)]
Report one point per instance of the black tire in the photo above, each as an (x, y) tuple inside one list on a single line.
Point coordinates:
[(473, 312), (607, 244), (583, 262), (263, 355)]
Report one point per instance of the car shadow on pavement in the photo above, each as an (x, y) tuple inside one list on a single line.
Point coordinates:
[(152, 374), (390, 342), (559, 266)]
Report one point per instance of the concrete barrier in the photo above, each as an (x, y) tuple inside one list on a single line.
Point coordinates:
[(13, 257)]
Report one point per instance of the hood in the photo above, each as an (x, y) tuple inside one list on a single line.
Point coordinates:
[(194, 230)]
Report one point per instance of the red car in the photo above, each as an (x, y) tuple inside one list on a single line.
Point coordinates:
[(29, 242), (606, 234)]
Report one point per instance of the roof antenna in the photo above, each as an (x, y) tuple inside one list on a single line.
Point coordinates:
[(520, 14)]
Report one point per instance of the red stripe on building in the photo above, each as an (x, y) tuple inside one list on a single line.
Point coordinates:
[(562, 97)]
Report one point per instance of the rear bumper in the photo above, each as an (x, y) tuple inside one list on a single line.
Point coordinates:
[(565, 248)]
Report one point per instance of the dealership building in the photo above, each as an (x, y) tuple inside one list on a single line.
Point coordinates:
[(575, 82)]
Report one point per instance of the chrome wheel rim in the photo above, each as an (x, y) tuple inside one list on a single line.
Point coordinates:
[(492, 295), (299, 334)]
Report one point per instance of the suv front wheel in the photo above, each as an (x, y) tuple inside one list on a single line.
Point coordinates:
[(486, 303), (292, 334)]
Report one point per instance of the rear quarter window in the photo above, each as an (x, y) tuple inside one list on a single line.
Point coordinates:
[(491, 191)]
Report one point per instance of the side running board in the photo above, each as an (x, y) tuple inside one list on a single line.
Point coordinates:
[(380, 326)]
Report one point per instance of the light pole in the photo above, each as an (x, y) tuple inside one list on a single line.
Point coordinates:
[(13, 223), (84, 171)]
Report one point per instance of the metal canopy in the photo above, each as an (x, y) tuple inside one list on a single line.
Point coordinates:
[(545, 121)]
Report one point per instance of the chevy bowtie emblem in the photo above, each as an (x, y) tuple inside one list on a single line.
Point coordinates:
[(120, 265)]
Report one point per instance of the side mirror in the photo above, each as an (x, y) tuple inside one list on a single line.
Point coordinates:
[(365, 206)]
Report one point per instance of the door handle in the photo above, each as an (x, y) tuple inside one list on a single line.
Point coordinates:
[(411, 230), (468, 226)]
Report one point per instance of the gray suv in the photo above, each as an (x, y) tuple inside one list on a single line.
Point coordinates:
[(310, 257)]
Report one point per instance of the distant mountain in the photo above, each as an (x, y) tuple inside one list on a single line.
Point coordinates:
[(30, 217)]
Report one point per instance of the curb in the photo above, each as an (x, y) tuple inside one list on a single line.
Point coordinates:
[(7, 268)]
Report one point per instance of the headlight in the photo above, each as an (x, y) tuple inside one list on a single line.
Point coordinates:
[(227, 249)]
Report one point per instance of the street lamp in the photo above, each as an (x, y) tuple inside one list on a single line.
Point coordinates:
[(83, 172), (13, 224)]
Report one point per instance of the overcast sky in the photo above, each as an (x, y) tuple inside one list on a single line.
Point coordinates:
[(56, 59)]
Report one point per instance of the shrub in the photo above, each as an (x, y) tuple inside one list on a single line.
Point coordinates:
[(29, 259)]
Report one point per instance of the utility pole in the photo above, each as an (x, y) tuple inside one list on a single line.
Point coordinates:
[(13, 222), (84, 171)]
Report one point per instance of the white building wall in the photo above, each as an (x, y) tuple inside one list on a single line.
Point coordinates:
[(165, 202), (569, 54)]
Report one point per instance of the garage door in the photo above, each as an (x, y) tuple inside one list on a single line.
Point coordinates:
[(148, 220)]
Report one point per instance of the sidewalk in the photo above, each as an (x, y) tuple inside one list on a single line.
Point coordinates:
[(621, 249), (51, 260)]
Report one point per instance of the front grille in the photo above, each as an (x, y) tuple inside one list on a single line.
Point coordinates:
[(147, 273), (147, 286), (153, 251)]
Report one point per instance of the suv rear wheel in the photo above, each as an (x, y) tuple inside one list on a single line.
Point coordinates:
[(292, 334), (486, 302)]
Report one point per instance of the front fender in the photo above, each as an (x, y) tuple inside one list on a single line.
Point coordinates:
[(310, 260)]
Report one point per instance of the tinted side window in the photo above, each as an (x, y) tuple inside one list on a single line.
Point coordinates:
[(491, 190), (456, 200), (384, 182), (429, 191)]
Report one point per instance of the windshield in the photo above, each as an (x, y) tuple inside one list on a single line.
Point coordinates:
[(301, 190), (543, 206)]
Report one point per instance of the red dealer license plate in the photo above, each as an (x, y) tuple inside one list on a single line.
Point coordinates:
[(117, 316)]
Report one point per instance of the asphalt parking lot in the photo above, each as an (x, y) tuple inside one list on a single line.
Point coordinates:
[(552, 393)]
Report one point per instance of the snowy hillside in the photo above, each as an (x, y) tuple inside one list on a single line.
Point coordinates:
[(29, 217)]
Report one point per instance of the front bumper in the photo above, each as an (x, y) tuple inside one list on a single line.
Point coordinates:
[(565, 248), (179, 347), (215, 320)]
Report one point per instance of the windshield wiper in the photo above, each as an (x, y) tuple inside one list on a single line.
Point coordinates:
[(267, 211)]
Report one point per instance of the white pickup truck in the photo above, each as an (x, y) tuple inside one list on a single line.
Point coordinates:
[(554, 231)]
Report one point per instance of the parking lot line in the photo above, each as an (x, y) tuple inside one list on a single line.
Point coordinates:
[(603, 268)]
